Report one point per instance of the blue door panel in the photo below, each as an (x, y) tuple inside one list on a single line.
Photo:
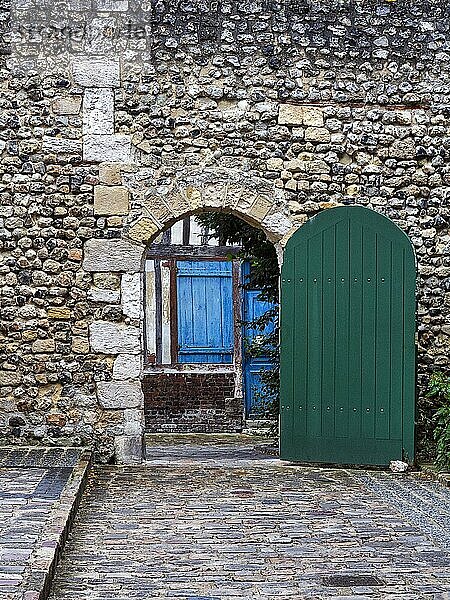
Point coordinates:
[(253, 308), (205, 312)]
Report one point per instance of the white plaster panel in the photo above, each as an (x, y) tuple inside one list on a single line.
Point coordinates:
[(166, 339), (150, 307)]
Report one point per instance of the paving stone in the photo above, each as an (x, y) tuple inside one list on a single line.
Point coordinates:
[(222, 520)]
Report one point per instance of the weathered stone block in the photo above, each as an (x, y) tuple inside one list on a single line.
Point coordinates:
[(43, 346), (127, 366), (113, 200), (317, 134), (112, 255), (56, 420), (275, 164), (276, 225), (80, 345), (9, 378), (111, 5), (98, 112), (102, 72), (58, 312), (120, 394), (110, 174), (289, 114), (260, 208), (131, 295), (101, 295), (62, 145), (157, 208), (130, 449), (405, 149), (114, 148), (113, 338), (300, 115), (312, 116), (67, 106), (143, 230)]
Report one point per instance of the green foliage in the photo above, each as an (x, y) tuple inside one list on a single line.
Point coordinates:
[(264, 276), (255, 248), (439, 390)]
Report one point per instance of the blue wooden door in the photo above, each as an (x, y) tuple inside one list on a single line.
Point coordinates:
[(205, 311), (253, 308)]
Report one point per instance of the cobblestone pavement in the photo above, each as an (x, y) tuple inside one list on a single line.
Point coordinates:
[(31, 480), (216, 521)]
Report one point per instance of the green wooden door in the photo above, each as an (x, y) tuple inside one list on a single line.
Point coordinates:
[(347, 341)]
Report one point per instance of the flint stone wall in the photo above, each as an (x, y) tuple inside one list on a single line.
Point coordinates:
[(269, 110)]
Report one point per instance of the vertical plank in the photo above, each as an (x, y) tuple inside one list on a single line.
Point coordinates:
[(315, 334), (226, 311), (342, 327), (329, 337), (383, 338), (396, 356), (369, 382), (299, 343), (356, 353), (409, 359), (289, 299)]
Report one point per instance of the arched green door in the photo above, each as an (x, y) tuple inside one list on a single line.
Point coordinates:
[(347, 341)]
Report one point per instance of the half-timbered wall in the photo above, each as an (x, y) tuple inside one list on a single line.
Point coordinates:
[(201, 390)]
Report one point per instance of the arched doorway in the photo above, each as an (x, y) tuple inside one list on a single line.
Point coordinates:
[(202, 308), (347, 341)]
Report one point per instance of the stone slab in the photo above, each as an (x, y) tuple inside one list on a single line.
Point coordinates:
[(101, 72), (112, 255), (111, 5), (120, 394), (71, 105), (109, 174), (62, 145), (98, 111), (111, 200), (100, 295), (114, 148), (113, 338), (127, 366)]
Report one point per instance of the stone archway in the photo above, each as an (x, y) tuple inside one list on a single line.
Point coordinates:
[(250, 198)]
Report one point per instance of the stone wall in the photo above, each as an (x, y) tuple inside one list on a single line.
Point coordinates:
[(150, 111), (192, 402)]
